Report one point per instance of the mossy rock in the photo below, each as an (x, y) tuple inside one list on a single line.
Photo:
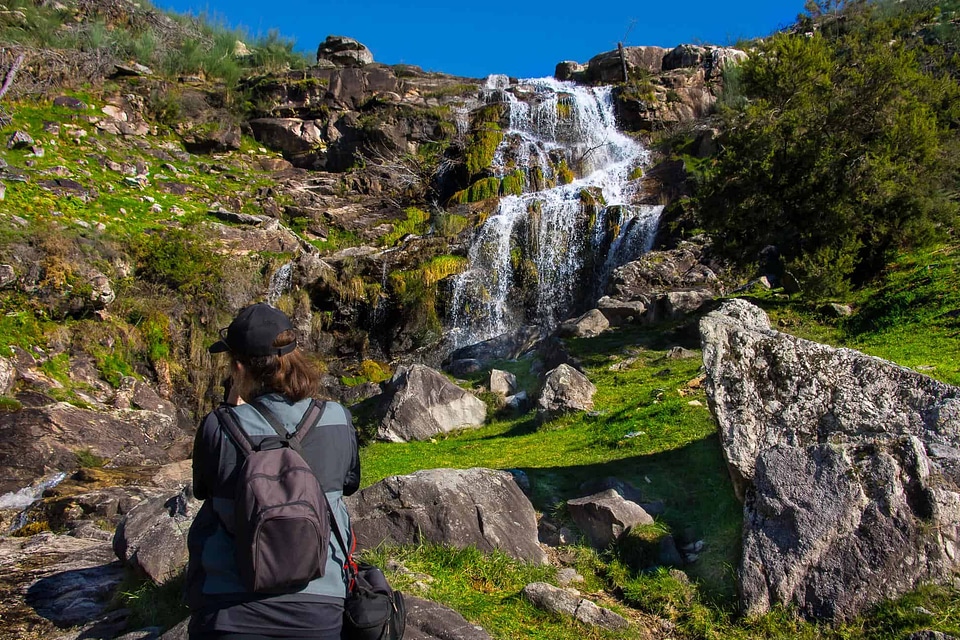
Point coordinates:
[(644, 547)]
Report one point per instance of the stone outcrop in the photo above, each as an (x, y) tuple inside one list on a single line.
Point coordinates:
[(589, 325), (428, 620), (550, 598), (37, 440), (662, 285), (662, 86), (459, 507), (420, 403), (607, 67), (502, 382), (603, 517), (849, 467), (564, 390), (152, 538), (344, 52), (51, 581)]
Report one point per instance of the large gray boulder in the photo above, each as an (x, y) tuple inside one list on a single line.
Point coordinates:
[(344, 51), (589, 325), (38, 440), (607, 67), (849, 467), (459, 507), (605, 516), (57, 580), (152, 538), (565, 390), (420, 403)]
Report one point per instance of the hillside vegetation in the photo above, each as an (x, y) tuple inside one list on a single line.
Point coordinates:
[(838, 147), (840, 144)]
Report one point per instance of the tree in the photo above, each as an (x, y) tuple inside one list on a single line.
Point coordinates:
[(838, 158)]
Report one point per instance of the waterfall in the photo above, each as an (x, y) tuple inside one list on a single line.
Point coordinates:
[(546, 252), (279, 283), (26, 496)]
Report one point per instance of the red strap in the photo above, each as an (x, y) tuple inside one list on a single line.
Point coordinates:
[(351, 566)]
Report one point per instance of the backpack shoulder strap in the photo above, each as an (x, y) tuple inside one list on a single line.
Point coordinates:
[(310, 418), (228, 421)]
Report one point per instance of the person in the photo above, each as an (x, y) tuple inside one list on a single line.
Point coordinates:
[(266, 366)]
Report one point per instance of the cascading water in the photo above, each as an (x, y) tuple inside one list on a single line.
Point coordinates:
[(555, 244), (26, 496), (279, 283)]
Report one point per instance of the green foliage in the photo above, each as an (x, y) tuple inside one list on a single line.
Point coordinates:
[(415, 223), (843, 154), (151, 604), (182, 260), (87, 459), (9, 405)]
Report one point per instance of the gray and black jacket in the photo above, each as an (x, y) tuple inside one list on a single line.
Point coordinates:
[(331, 450)]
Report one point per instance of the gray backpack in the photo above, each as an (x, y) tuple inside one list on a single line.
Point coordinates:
[(281, 527)]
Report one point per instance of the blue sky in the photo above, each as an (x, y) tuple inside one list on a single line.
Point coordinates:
[(518, 38)]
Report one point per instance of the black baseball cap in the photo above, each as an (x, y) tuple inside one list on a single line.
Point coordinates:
[(253, 331)]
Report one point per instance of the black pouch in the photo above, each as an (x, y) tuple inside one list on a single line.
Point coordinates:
[(372, 610)]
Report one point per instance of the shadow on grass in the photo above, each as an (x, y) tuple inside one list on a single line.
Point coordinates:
[(694, 486)]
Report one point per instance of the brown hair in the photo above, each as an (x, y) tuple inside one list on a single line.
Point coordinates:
[(291, 375)]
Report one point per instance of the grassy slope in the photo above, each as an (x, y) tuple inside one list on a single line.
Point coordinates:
[(653, 431)]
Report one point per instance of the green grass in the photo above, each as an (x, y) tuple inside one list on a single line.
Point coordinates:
[(650, 428)]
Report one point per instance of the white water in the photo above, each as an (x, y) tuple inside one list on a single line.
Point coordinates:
[(569, 250), (279, 283), (25, 497)]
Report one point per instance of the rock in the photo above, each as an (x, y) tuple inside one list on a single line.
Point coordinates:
[(419, 403), (177, 632), (343, 51), (603, 517), (210, 137), (608, 67), (239, 218), (549, 598), (37, 440), (300, 141), (679, 353), (834, 310), (19, 140), (848, 466), (145, 398), (459, 507), (589, 325), (567, 576), (564, 390), (569, 70), (152, 538), (678, 304), (115, 112), (427, 620), (464, 367), (132, 70), (620, 312), (517, 402), (61, 580), (101, 292), (929, 634), (69, 102), (502, 382), (8, 375), (507, 346)]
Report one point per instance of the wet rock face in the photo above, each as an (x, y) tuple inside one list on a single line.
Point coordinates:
[(37, 440), (50, 581), (460, 507), (848, 465)]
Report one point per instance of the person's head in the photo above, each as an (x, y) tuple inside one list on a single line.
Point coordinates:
[(262, 345)]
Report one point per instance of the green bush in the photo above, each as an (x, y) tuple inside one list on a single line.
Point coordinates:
[(843, 153), (182, 260)]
